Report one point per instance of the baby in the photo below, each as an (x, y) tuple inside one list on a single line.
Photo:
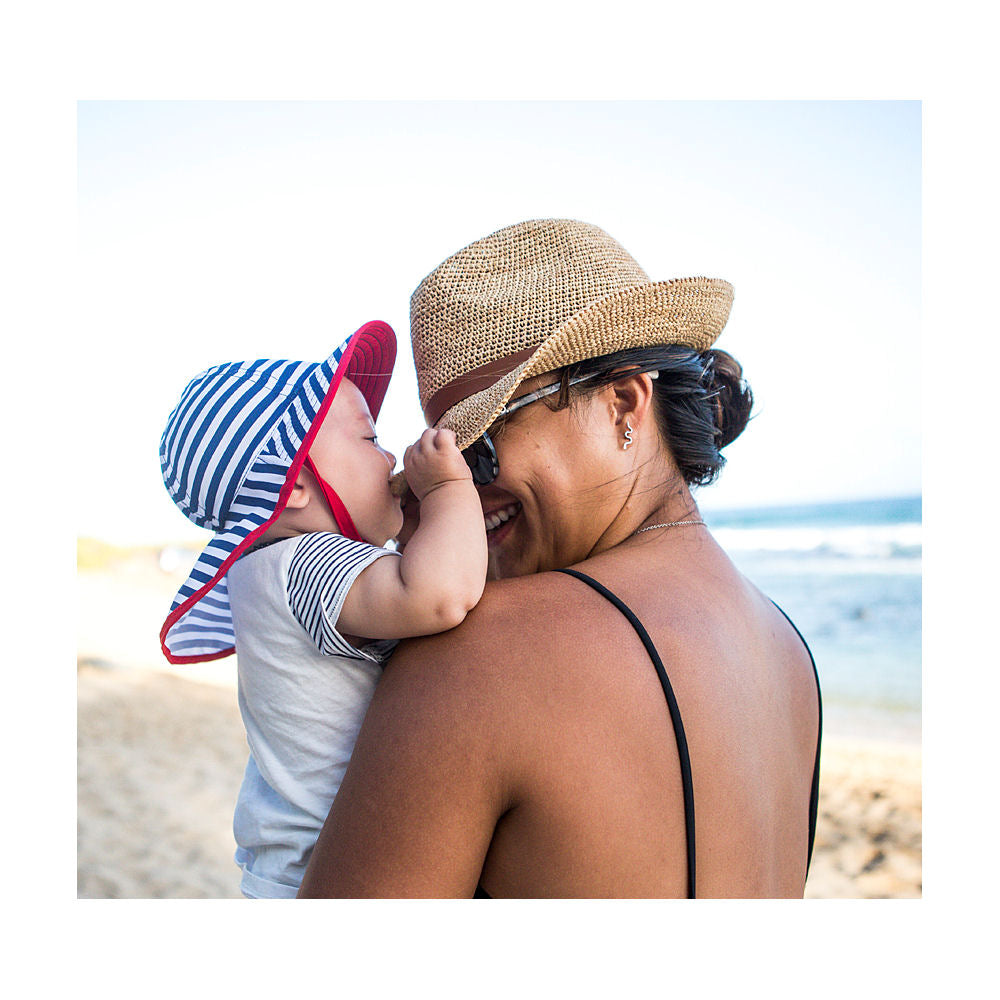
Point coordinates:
[(281, 460)]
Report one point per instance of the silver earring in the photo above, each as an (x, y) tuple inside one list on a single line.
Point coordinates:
[(628, 435)]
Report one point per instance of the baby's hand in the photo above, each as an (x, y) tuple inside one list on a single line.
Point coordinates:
[(433, 460)]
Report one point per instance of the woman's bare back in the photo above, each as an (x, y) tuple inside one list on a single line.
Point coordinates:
[(600, 812)]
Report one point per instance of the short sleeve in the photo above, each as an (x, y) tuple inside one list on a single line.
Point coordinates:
[(320, 573)]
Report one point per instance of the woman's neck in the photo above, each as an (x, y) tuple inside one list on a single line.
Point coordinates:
[(659, 497)]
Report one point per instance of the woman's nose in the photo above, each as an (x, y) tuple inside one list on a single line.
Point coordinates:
[(390, 458)]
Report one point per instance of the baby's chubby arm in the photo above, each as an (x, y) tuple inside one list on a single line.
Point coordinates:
[(441, 573)]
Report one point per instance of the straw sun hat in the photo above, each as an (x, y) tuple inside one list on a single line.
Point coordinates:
[(538, 296)]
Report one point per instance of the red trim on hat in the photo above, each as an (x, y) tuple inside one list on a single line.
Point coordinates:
[(377, 347), (373, 336), (336, 505)]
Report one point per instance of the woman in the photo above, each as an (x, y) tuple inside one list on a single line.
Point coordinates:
[(648, 728)]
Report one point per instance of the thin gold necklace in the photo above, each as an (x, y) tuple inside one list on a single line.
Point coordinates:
[(668, 524)]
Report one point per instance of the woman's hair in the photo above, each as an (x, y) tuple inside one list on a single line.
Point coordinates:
[(700, 401)]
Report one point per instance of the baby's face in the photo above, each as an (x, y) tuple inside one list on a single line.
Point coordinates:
[(348, 456)]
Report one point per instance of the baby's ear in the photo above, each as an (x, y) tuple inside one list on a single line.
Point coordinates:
[(301, 490)]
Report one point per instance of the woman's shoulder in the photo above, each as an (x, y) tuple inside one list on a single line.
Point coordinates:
[(479, 699), (518, 640), (507, 606), (533, 611)]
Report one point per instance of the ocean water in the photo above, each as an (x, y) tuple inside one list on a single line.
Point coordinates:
[(849, 575)]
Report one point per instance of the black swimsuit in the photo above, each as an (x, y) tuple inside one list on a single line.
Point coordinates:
[(682, 747)]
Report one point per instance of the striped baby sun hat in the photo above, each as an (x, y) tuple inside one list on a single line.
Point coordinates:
[(535, 297), (230, 454)]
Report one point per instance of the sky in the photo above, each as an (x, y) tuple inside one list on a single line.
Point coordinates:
[(233, 230)]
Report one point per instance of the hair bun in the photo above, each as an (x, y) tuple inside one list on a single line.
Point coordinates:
[(733, 399)]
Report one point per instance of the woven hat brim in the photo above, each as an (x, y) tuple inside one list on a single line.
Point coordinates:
[(690, 312)]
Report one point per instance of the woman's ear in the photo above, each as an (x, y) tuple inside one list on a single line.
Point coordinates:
[(632, 399)]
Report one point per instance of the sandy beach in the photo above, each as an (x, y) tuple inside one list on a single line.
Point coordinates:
[(161, 753)]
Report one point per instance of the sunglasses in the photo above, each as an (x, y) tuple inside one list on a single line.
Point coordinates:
[(481, 455)]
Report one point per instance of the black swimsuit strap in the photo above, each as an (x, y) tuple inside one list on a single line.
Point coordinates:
[(814, 794), (675, 715)]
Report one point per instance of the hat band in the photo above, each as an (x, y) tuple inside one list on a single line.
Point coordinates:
[(472, 382)]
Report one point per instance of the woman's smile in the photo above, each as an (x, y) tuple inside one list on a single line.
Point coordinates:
[(503, 513), (498, 521)]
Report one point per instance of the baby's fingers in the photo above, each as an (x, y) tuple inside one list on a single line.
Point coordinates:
[(423, 443)]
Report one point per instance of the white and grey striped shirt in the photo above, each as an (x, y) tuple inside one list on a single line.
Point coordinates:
[(303, 693), (320, 574)]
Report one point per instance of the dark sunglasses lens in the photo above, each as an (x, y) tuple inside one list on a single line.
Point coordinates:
[(481, 458)]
